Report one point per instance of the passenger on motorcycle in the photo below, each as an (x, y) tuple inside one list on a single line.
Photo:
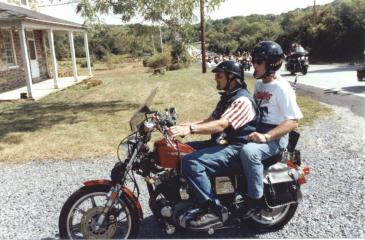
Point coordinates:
[(279, 114), (233, 119)]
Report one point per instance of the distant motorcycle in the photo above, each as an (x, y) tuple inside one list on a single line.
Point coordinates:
[(361, 74), (110, 208), (297, 63)]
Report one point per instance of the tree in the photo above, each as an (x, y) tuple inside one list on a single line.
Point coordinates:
[(177, 15)]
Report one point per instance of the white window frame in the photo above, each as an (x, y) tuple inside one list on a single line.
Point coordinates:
[(15, 63)]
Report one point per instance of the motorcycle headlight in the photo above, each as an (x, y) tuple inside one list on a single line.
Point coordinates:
[(123, 151), (302, 57), (149, 126)]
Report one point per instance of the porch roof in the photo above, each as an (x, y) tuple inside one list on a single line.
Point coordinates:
[(11, 15)]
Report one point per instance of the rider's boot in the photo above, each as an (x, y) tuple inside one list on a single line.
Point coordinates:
[(210, 216), (250, 206)]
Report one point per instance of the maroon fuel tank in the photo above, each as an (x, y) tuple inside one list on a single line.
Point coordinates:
[(169, 156)]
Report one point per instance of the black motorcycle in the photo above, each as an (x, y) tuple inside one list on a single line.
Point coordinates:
[(297, 61)]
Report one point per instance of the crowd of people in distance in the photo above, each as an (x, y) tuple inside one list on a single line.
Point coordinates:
[(213, 60), (245, 57)]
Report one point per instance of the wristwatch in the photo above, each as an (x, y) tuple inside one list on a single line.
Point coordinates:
[(192, 128)]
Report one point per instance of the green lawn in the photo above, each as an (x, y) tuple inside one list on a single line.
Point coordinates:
[(84, 121)]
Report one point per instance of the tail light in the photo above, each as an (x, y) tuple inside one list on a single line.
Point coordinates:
[(298, 173)]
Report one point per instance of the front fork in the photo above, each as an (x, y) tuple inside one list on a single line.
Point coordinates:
[(113, 195)]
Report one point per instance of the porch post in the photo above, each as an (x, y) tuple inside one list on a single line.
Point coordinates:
[(72, 47), (24, 50), (87, 54), (53, 57)]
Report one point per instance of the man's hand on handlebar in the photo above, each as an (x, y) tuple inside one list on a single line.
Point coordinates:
[(179, 130)]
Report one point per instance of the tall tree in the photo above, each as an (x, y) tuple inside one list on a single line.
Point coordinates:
[(177, 15)]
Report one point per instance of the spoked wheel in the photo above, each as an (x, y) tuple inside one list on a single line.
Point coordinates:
[(81, 211), (272, 219)]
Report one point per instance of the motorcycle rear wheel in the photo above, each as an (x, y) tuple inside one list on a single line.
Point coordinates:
[(89, 202), (272, 220)]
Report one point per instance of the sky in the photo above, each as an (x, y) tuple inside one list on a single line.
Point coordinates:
[(227, 9)]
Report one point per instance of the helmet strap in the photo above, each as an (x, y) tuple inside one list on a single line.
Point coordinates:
[(228, 84)]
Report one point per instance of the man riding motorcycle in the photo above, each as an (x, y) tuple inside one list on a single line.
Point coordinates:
[(233, 119), (279, 114)]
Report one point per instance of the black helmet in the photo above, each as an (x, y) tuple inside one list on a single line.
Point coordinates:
[(271, 53), (232, 67)]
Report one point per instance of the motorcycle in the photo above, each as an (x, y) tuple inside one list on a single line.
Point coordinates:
[(297, 62), (110, 208)]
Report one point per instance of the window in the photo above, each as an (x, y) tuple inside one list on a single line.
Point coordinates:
[(9, 47), (32, 50), (24, 2)]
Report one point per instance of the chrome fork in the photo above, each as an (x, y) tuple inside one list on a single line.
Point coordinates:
[(111, 197)]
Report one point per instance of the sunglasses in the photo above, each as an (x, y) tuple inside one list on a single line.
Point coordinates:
[(257, 61)]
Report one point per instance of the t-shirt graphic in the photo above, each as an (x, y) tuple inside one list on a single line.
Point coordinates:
[(262, 98), (277, 101)]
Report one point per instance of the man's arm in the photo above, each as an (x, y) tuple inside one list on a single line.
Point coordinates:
[(277, 132), (208, 127)]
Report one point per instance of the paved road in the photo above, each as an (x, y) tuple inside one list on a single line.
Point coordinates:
[(334, 84)]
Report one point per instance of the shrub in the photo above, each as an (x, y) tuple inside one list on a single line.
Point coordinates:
[(159, 60), (83, 64)]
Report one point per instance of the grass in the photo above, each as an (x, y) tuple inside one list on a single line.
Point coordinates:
[(89, 121)]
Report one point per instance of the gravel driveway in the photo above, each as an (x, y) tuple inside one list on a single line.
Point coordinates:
[(32, 194)]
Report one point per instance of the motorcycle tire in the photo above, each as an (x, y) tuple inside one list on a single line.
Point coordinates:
[(264, 225), (88, 190), (305, 70)]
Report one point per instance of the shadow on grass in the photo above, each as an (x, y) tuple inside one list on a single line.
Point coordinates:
[(35, 116)]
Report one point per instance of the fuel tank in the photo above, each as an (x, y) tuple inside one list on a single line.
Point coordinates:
[(169, 155)]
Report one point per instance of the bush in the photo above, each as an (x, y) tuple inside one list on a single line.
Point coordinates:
[(159, 60), (83, 64)]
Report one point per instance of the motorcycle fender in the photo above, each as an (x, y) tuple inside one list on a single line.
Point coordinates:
[(126, 193)]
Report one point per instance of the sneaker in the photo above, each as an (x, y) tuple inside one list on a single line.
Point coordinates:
[(250, 206), (210, 216)]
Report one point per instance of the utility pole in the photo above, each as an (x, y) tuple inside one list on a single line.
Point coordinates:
[(314, 12), (202, 36)]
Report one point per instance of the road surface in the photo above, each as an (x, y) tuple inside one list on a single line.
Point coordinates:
[(334, 84)]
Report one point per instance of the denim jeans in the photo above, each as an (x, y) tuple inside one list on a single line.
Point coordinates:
[(251, 156), (208, 161)]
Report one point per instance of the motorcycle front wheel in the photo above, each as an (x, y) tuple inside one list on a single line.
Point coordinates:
[(268, 220), (80, 212)]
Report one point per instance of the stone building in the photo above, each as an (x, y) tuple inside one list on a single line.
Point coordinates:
[(25, 36)]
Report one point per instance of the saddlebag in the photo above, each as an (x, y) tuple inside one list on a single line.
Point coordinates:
[(279, 187)]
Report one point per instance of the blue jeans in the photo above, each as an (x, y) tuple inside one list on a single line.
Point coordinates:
[(251, 156), (208, 161)]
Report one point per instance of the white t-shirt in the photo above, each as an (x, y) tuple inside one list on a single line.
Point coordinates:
[(277, 101)]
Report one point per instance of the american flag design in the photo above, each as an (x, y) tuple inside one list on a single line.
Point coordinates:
[(240, 112)]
